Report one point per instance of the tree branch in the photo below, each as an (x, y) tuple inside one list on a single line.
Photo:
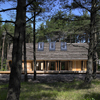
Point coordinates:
[(7, 21), (29, 3), (8, 33), (3, 10), (68, 19), (82, 6), (29, 19), (98, 8), (33, 16)]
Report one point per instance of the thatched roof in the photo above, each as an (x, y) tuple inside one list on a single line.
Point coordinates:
[(75, 51)]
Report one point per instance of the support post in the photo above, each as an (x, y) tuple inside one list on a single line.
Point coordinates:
[(45, 65), (58, 65)]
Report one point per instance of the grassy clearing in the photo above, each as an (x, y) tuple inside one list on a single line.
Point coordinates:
[(76, 90)]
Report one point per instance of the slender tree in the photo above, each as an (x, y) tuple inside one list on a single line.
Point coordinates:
[(0, 40)]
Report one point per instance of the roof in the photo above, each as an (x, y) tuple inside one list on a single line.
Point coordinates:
[(75, 51)]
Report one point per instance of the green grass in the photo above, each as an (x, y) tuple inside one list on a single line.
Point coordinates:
[(3, 91), (76, 90)]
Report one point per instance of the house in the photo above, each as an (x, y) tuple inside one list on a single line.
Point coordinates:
[(55, 57)]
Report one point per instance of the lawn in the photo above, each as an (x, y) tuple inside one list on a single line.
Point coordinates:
[(75, 90)]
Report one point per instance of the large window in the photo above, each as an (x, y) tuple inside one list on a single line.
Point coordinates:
[(40, 46), (52, 46), (62, 65), (52, 67), (63, 46), (82, 67), (39, 66)]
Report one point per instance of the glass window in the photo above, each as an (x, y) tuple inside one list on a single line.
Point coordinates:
[(62, 65), (52, 46), (82, 67), (52, 67), (63, 46), (40, 46)]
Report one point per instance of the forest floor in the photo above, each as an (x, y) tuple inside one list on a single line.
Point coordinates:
[(54, 87), (47, 78)]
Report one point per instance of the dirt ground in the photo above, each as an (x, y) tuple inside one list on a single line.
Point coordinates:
[(47, 78)]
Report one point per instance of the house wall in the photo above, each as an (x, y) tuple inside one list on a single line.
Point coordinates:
[(29, 66), (74, 65)]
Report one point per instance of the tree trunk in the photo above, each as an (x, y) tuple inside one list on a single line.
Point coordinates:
[(15, 75), (94, 55), (94, 40), (34, 51), (70, 38), (86, 38), (25, 63), (88, 77), (2, 58)]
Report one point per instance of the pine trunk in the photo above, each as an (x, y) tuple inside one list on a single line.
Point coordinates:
[(94, 55), (25, 63), (2, 58), (34, 49), (15, 75), (88, 77)]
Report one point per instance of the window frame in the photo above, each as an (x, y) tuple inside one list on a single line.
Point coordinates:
[(61, 46), (52, 49), (41, 49)]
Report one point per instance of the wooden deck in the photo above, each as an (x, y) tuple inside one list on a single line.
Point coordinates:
[(46, 72), (50, 72)]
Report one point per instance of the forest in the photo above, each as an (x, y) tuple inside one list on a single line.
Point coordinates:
[(63, 25)]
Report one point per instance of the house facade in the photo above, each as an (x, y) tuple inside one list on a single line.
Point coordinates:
[(55, 57)]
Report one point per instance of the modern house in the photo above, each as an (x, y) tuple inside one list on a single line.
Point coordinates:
[(55, 57)]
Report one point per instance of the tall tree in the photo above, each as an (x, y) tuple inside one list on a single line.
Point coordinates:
[(55, 27), (33, 8), (36, 8), (15, 75), (91, 6), (0, 38), (41, 34)]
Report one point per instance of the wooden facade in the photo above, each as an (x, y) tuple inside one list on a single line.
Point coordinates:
[(73, 59), (75, 65)]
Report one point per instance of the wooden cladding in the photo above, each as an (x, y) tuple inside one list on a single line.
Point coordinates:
[(75, 65)]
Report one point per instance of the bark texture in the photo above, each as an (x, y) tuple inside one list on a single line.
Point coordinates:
[(15, 75), (25, 63), (91, 50), (34, 49)]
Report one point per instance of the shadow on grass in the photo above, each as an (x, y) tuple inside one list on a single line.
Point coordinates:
[(84, 85), (42, 96), (68, 86), (95, 96), (50, 91), (3, 92), (37, 92)]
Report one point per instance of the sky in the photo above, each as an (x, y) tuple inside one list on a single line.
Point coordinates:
[(7, 15)]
